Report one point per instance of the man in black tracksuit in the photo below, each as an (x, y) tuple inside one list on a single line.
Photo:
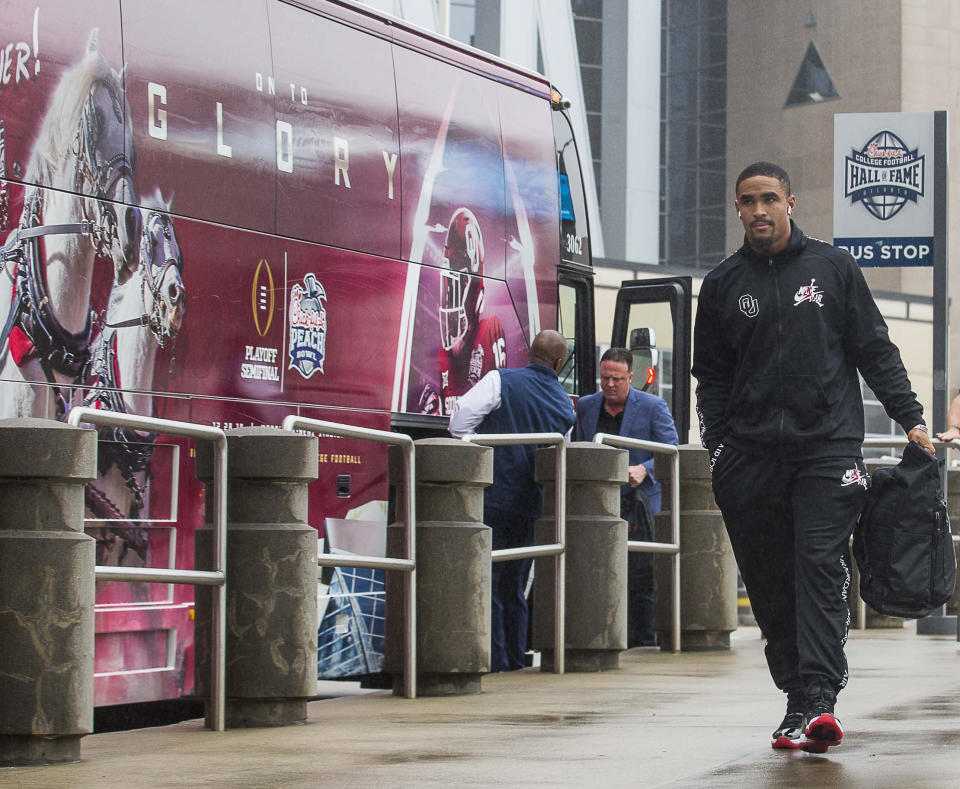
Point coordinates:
[(783, 325)]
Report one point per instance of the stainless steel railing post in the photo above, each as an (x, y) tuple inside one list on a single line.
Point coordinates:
[(673, 547), (408, 565), (560, 530), (218, 576)]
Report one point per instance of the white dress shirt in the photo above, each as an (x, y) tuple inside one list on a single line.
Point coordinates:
[(473, 406)]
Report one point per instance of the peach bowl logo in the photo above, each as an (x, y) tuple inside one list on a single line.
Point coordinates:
[(308, 326)]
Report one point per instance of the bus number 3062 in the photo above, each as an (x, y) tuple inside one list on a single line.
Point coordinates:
[(574, 244)]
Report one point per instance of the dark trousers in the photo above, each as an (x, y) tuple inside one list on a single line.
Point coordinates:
[(790, 523), (640, 630), (508, 614), (635, 510)]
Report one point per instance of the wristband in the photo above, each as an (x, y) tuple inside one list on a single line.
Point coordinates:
[(923, 428)]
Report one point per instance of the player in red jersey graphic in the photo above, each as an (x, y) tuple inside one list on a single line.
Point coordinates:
[(469, 347)]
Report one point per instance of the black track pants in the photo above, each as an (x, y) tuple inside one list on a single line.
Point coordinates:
[(790, 523)]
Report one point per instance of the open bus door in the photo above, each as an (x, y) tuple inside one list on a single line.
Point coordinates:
[(653, 311)]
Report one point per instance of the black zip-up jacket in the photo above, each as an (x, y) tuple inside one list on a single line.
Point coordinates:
[(777, 345)]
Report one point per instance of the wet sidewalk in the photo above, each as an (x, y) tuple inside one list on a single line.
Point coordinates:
[(689, 720)]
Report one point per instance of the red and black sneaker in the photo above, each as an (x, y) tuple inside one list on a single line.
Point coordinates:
[(790, 731), (823, 728)]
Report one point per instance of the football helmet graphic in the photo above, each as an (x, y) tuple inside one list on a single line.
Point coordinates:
[(461, 280)]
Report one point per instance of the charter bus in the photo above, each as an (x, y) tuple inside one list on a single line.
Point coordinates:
[(228, 211)]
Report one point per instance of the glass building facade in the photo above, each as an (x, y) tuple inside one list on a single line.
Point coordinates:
[(588, 26), (693, 138)]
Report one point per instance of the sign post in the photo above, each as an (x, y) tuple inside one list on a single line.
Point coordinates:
[(890, 209)]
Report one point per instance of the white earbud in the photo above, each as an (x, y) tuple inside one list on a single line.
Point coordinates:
[(739, 215), (789, 210)]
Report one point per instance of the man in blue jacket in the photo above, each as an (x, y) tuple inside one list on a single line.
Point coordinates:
[(621, 410), (525, 400)]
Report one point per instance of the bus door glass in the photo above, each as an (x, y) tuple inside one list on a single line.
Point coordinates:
[(575, 323), (574, 228), (652, 320), (575, 319)]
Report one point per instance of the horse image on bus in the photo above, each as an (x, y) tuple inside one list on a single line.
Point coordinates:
[(237, 210)]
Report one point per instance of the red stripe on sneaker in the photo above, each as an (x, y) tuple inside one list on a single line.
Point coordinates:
[(821, 733), (785, 743)]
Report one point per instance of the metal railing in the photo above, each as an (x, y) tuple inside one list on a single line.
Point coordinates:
[(558, 547), (671, 548), (902, 441), (408, 565), (218, 576)]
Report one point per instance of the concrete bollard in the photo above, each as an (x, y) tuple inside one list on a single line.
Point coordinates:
[(453, 569), (46, 591), (708, 569), (271, 577), (596, 559)]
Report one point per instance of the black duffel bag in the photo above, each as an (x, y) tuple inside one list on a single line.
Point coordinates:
[(902, 543)]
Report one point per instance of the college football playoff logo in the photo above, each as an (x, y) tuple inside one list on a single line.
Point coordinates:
[(262, 297)]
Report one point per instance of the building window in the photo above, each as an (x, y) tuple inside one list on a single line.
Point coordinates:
[(813, 83), (693, 162), (463, 20), (588, 26)]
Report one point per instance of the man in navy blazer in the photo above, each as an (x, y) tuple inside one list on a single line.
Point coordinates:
[(620, 409)]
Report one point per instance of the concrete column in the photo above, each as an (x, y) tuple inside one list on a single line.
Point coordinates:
[(46, 591), (271, 577), (708, 569), (453, 569), (596, 559)]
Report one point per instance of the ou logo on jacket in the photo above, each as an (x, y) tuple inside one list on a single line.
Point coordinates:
[(749, 306)]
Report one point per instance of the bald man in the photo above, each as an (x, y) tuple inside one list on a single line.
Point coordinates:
[(525, 400)]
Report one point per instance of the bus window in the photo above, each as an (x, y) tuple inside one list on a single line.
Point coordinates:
[(339, 163), (203, 105), (567, 326), (574, 229), (532, 213), (452, 159), (575, 323)]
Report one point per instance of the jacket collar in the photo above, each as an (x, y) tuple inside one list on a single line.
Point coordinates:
[(543, 369), (796, 244)]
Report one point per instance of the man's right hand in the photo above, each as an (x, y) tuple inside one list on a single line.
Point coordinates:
[(637, 475), (921, 437)]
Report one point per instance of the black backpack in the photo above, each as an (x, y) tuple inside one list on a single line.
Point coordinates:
[(902, 544)]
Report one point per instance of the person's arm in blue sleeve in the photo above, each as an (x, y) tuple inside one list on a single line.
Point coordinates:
[(662, 430)]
